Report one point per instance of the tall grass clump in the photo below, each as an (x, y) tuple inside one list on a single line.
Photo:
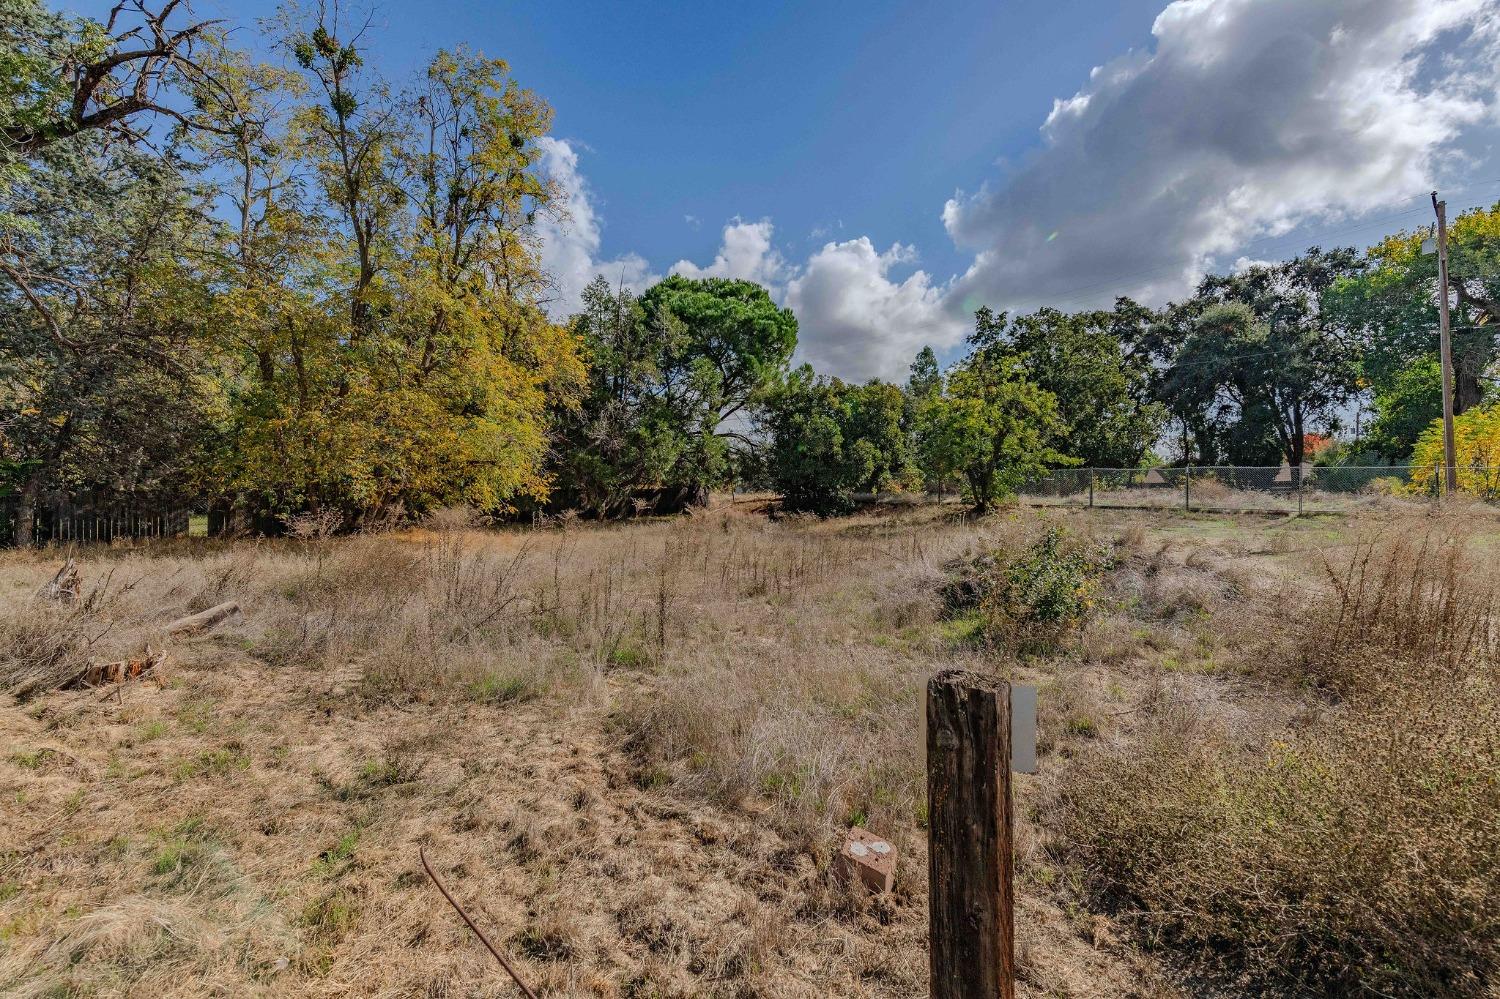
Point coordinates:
[(40, 648), (1425, 598), (1356, 852)]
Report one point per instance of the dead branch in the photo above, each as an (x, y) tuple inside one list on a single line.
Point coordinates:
[(203, 620), (422, 852), (64, 587)]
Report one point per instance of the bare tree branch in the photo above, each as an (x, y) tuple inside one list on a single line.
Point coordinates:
[(140, 74)]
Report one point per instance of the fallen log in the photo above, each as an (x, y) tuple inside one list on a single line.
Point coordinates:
[(203, 620), (99, 674)]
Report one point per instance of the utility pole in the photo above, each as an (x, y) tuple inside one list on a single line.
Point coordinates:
[(1450, 459)]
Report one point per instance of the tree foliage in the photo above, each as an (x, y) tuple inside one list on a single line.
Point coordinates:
[(990, 424), (1391, 310), (1102, 392), (725, 345), (387, 316), (282, 289), (1476, 445), (104, 385), (1261, 362), (625, 436), (828, 440), (63, 76)]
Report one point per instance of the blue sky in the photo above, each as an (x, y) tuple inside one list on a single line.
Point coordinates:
[(867, 113), (886, 167)]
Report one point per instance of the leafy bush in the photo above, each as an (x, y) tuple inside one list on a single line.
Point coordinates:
[(1477, 454), (830, 440), (1043, 589)]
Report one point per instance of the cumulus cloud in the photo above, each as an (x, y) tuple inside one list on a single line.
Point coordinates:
[(854, 319), (747, 253), (1243, 120), (1246, 119), (570, 245), (858, 323)]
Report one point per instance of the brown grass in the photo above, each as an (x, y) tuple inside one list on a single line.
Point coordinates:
[(1351, 848), (632, 750)]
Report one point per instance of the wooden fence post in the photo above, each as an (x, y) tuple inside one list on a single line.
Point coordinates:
[(970, 900)]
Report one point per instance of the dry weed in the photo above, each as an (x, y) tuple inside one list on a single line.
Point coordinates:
[(1346, 850)]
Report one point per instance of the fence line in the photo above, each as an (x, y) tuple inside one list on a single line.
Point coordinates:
[(1253, 489), (73, 523), (1203, 488)]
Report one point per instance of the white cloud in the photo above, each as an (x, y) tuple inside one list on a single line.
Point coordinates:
[(857, 323), (853, 320), (1247, 119), (570, 246), (746, 253)]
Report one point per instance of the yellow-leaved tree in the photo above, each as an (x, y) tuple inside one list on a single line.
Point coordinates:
[(384, 293), (1476, 439)]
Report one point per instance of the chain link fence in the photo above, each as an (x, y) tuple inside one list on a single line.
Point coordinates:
[(1199, 488), (1254, 489)]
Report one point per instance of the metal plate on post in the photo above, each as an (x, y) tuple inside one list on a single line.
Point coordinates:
[(1023, 728)]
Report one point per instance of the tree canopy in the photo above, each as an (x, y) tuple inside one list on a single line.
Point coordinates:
[(277, 289)]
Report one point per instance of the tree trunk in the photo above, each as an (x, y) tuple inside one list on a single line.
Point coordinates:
[(1468, 378), (979, 488), (1298, 451), (32, 490), (1473, 349), (23, 536)]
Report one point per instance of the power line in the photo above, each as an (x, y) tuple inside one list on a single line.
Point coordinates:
[(1069, 297), (1295, 350)]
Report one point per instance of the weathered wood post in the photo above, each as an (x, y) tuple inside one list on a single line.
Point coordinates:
[(1092, 476), (970, 901)]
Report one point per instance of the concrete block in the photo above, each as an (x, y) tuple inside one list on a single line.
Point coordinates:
[(868, 857)]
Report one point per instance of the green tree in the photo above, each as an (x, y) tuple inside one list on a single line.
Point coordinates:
[(103, 383), (1261, 358), (829, 440), (924, 384), (1102, 392), (990, 425), (728, 344), (63, 76), (876, 424), (1404, 407), (926, 377), (624, 436), (1390, 310)]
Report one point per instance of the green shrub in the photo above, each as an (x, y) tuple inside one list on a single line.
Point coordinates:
[(1044, 589)]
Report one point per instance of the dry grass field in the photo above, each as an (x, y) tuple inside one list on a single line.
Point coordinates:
[(1268, 756)]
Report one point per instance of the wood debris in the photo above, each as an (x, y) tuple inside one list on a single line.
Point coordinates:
[(203, 620), (99, 674), (65, 587)]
